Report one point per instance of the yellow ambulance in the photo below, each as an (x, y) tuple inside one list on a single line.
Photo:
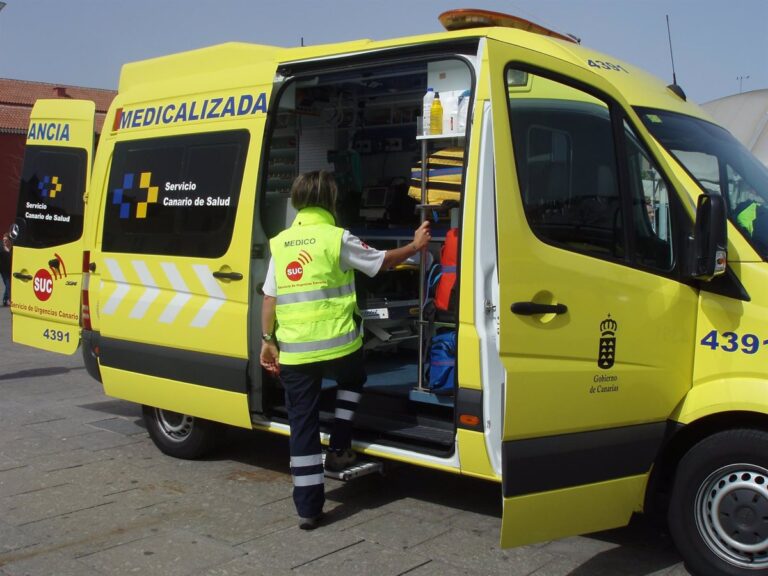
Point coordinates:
[(603, 346)]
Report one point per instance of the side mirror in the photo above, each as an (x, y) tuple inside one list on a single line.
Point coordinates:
[(710, 238)]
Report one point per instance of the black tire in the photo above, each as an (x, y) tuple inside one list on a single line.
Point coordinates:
[(718, 515), (180, 435)]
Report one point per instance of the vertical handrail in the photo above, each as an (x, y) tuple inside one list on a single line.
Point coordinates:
[(422, 265)]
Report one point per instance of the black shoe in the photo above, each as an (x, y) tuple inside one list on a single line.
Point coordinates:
[(338, 460), (311, 523)]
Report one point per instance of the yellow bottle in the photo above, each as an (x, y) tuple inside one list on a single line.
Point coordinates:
[(436, 116)]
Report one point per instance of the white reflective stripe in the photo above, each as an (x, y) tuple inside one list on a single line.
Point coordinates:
[(182, 294), (216, 300), (120, 291), (149, 295), (319, 344), (344, 414), (348, 395), (311, 460), (312, 295), (309, 480)]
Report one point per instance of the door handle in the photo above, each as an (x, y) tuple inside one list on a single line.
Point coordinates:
[(54, 263), (227, 275), (20, 276), (532, 308)]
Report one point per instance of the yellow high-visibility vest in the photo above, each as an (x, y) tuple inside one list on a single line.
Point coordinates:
[(316, 301), (746, 218)]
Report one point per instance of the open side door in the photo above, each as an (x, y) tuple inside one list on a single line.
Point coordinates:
[(48, 231), (595, 325)]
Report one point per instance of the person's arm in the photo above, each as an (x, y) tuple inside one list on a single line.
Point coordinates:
[(270, 355), (421, 239)]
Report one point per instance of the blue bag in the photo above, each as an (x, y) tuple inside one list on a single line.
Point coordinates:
[(441, 376)]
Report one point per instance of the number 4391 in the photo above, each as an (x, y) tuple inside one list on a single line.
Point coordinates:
[(731, 342), (56, 335)]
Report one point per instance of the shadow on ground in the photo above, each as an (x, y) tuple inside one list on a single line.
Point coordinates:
[(641, 549), (39, 372)]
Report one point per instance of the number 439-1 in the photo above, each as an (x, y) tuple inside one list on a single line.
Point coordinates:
[(732, 342)]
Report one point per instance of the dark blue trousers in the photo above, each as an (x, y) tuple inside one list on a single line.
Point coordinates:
[(302, 394)]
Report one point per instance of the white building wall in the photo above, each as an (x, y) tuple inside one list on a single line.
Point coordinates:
[(746, 117)]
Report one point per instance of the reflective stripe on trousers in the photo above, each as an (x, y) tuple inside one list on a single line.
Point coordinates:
[(346, 404), (304, 470)]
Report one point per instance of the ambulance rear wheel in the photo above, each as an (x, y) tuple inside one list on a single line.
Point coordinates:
[(180, 435), (718, 515)]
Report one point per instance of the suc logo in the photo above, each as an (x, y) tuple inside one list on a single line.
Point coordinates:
[(43, 285), (294, 271)]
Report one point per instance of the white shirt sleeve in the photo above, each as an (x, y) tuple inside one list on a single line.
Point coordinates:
[(357, 255), (270, 283)]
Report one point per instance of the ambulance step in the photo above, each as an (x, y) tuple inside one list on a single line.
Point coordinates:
[(417, 395), (356, 470)]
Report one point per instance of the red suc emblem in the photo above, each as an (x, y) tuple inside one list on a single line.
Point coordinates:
[(294, 271), (43, 285)]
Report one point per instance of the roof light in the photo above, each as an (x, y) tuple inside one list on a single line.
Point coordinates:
[(463, 18)]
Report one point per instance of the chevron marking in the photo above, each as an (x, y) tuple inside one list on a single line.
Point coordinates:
[(120, 291), (182, 294), (216, 300), (149, 295)]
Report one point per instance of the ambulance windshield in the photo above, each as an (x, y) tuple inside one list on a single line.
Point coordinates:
[(719, 163)]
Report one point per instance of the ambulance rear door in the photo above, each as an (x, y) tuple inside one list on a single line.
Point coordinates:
[(596, 320), (173, 254), (48, 231)]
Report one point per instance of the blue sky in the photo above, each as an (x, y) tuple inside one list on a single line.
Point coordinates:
[(84, 42)]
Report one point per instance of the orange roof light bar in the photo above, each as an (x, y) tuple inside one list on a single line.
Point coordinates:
[(463, 18)]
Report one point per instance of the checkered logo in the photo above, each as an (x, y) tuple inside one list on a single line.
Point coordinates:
[(143, 190), (49, 186)]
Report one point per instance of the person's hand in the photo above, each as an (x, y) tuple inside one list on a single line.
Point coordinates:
[(269, 357), (422, 236)]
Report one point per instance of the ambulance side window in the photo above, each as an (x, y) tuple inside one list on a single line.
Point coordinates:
[(50, 208), (651, 214), (176, 195), (566, 163)]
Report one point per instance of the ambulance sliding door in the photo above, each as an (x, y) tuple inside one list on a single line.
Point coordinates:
[(48, 231), (596, 330)]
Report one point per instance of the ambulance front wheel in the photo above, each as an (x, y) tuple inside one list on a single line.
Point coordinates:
[(180, 435), (718, 515)]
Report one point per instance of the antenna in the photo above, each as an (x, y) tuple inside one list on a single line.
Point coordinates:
[(671, 55)]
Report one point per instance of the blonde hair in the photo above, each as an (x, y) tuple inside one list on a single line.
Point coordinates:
[(315, 189)]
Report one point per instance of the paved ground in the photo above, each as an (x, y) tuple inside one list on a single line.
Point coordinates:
[(84, 492)]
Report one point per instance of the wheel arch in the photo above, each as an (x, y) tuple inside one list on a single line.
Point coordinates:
[(681, 439)]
